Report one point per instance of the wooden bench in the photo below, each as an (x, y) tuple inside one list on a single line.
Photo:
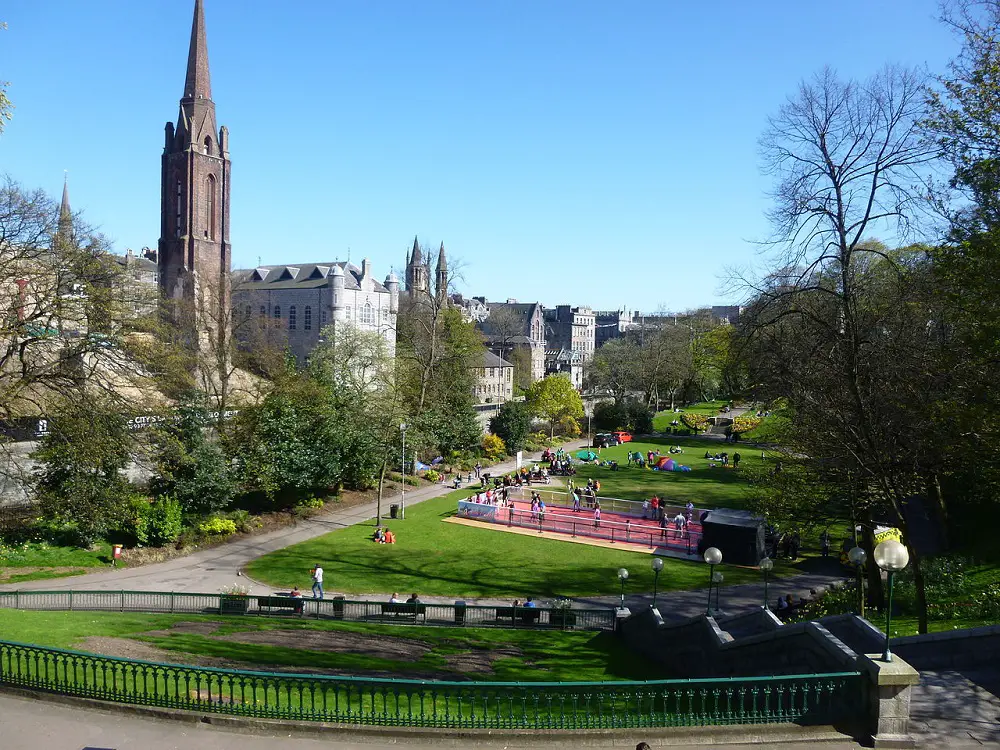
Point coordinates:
[(405, 609), (527, 615), (280, 601)]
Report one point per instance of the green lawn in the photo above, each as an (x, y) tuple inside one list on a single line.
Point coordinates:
[(662, 419), (443, 559), (705, 486), (34, 561), (409, 651)]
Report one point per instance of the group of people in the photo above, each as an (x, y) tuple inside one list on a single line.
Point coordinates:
[(394, 599), (383, 535), (499, 496), (588, 494), (537, 508), (723, 458)]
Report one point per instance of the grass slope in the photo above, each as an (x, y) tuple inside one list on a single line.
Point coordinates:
[(33, 561), (441, 559), (527, 655), (705, 485)]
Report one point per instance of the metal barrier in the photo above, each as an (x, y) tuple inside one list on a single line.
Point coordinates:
[(336, 608), (563, 496), (562, 520), (813, 699)]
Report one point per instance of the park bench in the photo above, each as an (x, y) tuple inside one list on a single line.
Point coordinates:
[(404, 609), (527, 615), (280, 601)]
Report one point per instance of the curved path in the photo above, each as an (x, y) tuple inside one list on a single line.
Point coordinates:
[(209, 570)]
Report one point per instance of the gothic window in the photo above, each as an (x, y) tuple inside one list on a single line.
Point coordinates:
[(210, 205), (177, 210), (208, 145), (277, 312), (367, 315), (307, 323), (291, 318)]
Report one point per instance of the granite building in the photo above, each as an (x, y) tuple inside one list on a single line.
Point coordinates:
[(571, 328), (302, 300)]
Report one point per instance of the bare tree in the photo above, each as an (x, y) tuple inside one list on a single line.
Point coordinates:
[(848, 160)]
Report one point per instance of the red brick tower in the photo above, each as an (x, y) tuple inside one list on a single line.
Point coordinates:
[(195, 253)]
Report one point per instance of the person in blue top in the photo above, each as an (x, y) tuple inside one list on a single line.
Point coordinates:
[(530, 603)]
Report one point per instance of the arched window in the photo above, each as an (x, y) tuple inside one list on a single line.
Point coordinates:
[(291, 318), (208, 145), (277, 312), (263, 311), (367, 314), (177, 209), (210, 205), (307, 323), (322, 315)]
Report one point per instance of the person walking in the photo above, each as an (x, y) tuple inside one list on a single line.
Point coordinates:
[(597, 517), (317, 576), (736, 460)]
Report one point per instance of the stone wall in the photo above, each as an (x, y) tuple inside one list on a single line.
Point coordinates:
[(954, 649)]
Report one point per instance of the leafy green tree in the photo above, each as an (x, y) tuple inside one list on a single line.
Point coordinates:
[(191, 468), (554, 399), (512, 424), (81, 463)]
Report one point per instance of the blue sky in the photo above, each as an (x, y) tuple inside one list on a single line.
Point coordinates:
[(599, 153)]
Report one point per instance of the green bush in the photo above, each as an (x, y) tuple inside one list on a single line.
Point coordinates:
[(493, 448), (218, 526), (311, 502), (432, 475), (163, 521)]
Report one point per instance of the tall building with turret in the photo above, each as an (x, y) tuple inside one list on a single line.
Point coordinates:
[(194, 250)]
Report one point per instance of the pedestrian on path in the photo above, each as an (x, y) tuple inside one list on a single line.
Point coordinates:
[(317, 576)]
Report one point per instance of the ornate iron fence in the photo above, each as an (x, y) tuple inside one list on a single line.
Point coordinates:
[(814, 699), (337, 608)]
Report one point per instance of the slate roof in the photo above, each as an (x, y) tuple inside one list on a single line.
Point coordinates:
[(300, 276), (492, 360)]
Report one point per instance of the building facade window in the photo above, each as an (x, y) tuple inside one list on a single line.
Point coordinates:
[(307, 318), (291, 318), (263, 311), (322, 316), (208, 145), (210, 206), (367, 315), (177, 209), (277, 312)]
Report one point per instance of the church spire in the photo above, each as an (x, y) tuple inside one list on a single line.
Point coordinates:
[(442, 262), (198, 83), (65, 212), (415, 258)]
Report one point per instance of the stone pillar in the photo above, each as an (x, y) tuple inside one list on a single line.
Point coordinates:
[(889, 700)]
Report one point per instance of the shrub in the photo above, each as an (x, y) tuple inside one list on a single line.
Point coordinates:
[(431, 475), (745, 423), (218, 526), (512, 424), (568, 427), (163, 524), (311, 502), (696, 422), (493, 448)]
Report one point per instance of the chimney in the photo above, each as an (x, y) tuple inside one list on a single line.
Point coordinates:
[(366, 268)]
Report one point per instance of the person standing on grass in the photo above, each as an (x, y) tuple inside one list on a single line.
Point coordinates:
[(317, 578), (824, 542), (736, 460), (576, 502)]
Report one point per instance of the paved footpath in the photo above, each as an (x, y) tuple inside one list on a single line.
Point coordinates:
[(30, 724), (209, 570)]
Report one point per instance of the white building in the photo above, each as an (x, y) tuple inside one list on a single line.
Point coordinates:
[(305, 298)]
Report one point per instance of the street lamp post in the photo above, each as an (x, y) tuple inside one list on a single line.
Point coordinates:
[(657, 567), (857, 556), (713, 556), (402, 491), (766, 565), (623, 576), (892, 557)]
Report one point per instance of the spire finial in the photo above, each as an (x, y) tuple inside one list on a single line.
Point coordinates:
[(198, 83), (416, 259)]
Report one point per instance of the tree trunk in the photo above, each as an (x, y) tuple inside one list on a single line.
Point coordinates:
[(921, 590), (936, 497), (873, 572)]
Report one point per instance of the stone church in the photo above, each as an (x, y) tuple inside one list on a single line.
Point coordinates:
[(194, 253)]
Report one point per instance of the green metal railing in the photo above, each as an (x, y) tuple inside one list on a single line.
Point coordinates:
[(336, 608), (813, 699)]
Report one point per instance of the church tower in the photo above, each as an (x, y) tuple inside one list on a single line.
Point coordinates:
[(194, 249), (416, 271), (441, 286)]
